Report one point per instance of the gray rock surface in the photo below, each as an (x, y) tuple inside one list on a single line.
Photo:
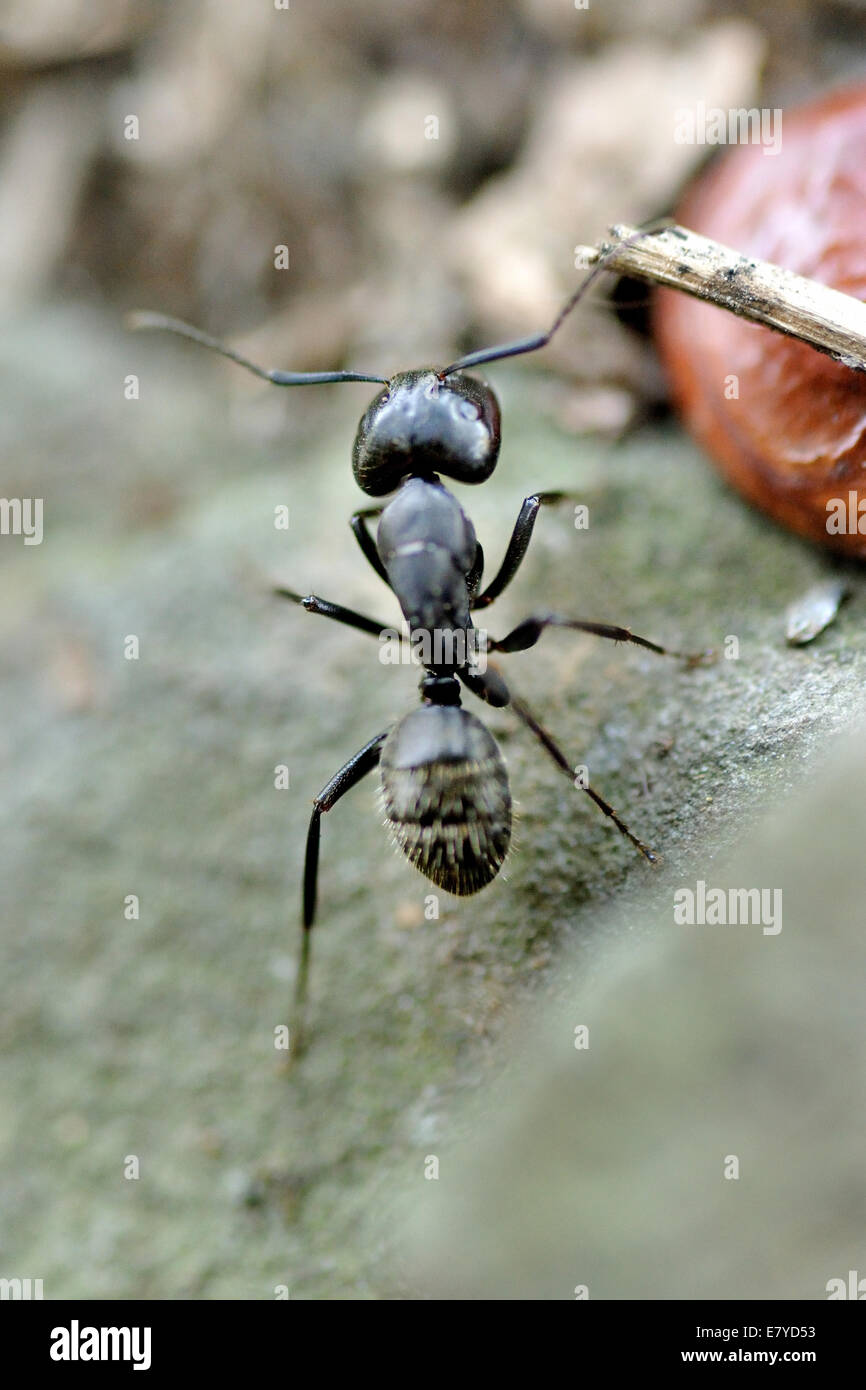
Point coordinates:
[(155, 777)]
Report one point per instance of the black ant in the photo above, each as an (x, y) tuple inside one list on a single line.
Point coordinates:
[(444, 784)]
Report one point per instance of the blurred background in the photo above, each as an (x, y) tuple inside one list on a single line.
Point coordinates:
[(429, 167), (371, 186)]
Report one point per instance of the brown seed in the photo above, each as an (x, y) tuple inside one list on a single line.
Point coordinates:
[(784, 423)]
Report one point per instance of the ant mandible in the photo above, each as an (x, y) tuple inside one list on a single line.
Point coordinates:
[(443, 781)]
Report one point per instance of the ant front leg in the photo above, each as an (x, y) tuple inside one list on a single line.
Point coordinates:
[(518, 545), (473, 578), (527, 633), (364, 761), (358, 522)]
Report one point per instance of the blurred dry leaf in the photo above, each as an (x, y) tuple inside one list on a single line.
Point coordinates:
[(55, 30), (601, 150), (44, 162)]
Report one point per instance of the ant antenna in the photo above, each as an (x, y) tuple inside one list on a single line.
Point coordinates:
[(540, 340), (143, 319)]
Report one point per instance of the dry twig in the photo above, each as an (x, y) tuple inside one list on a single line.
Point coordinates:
[(830, 321)]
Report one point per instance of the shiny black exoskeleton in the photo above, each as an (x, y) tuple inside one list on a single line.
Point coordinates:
[(443, 781), (422, 424)]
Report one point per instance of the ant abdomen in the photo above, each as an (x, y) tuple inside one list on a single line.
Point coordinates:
[(446, 797), (422, 424)]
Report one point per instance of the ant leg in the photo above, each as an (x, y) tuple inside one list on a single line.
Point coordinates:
[(518, 545), (523, 712), (473, 577), (490, 687), (326, 609), (527, 633), (348, 776), (358, 523), (486, 685)]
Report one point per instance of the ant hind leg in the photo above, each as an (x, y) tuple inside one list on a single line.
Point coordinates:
[(491, 687), (349, 775)]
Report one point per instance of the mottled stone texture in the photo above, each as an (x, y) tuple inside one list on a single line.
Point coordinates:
[(454, 1038)]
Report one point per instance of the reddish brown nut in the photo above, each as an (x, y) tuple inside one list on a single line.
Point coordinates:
[(793, 440)]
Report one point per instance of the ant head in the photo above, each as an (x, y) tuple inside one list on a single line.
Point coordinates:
[(426, 423)]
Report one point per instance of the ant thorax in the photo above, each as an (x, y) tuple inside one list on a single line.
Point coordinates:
[(427, 545)]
